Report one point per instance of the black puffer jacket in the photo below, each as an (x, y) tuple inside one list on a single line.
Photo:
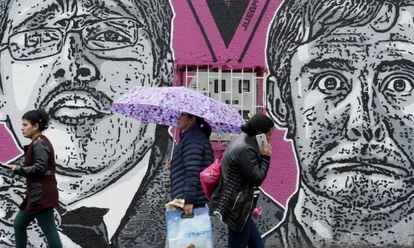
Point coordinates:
[(243, 169), (191, 155)]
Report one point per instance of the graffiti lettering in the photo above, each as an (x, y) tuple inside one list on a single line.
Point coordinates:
[(249, 14)]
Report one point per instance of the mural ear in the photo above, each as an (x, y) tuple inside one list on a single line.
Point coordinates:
[(386, 17), (275, 104)]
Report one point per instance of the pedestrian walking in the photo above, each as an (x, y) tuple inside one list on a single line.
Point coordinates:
[(243, 169), (39, 171), (191, 155)]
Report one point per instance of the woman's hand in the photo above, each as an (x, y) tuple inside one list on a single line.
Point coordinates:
[(12, 167), (188, 209), (168, 164), (267, 150)]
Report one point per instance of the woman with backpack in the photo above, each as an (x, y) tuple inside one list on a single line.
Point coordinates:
[(243, 169)]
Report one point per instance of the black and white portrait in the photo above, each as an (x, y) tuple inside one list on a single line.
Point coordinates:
[(342, 83), (73, 58)]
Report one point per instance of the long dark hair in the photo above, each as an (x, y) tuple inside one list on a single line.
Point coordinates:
[(257, 124), (38, 116)]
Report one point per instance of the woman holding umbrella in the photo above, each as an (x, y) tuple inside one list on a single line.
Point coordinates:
[(191, 155), (189, 110)]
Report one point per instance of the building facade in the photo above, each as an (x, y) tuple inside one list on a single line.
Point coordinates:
[(335, 76)]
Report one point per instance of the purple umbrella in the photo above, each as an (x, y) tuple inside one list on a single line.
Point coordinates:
[(163, 105)]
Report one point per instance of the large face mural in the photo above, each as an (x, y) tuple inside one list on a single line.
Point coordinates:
[(341, 81), (73, 58)]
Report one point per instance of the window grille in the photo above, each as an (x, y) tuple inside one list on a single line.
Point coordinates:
[(243, 89)]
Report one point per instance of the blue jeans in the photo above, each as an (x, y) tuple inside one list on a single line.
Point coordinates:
[(248, 237)]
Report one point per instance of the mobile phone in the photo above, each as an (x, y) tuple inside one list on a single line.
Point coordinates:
[(261, 140)]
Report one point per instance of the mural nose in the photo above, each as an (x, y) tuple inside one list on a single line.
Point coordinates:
[(376, 133), (84, 74), (60, 73), (367, 135), (78, 63), (354, 134)]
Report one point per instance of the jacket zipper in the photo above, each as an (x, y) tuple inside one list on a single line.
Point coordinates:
[(250, 209), (237, 198)]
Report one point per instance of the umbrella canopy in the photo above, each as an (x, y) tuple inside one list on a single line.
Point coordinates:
[(163, 105)]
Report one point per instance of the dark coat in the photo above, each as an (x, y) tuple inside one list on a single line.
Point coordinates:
[(243, 169), (191, 155), (39, 169)]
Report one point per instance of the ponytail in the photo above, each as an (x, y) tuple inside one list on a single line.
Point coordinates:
[(257, 124), (39, 117)]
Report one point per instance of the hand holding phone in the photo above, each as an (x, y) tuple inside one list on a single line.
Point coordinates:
[(261, 140), (264, 146)]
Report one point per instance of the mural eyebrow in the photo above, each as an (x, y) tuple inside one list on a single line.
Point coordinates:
[(332, 63), (350, 39), (400, 64), (103, 12), (40, 15)]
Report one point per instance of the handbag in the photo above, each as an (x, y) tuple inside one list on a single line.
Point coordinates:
[(194, 231), (210, 178)]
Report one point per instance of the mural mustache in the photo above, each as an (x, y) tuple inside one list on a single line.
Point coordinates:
[(76, 103), (380, 158), (368, 175)]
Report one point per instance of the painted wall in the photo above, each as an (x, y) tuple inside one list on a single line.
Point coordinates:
[(73, 58), (340, 81), (340, 85), (233, 34)]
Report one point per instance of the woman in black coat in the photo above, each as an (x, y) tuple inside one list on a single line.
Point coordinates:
[(244, 168)]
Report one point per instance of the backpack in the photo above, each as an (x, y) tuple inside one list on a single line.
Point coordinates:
[(210, 178)]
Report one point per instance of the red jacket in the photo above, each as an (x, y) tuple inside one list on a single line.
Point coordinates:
[(39, 169)]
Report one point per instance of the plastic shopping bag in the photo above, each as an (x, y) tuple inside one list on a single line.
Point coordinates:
[(184, 232)]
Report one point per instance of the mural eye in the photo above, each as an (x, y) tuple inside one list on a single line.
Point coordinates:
[(111, 36), (399, 85), (331, 84)]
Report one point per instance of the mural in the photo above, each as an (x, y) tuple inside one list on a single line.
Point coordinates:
[(197, 32), (73, 58), (341, 83), (225, 32)]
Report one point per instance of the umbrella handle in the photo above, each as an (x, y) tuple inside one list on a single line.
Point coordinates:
[(172, 148)]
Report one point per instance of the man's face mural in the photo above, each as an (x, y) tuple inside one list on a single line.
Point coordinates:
[(348, 102), (73, 58)]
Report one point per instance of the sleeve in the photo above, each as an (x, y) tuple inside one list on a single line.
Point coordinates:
[(41, 154), (252, 167), (193, 161)]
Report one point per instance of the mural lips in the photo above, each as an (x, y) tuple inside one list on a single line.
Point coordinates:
[(76, 106), (385, 160)]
